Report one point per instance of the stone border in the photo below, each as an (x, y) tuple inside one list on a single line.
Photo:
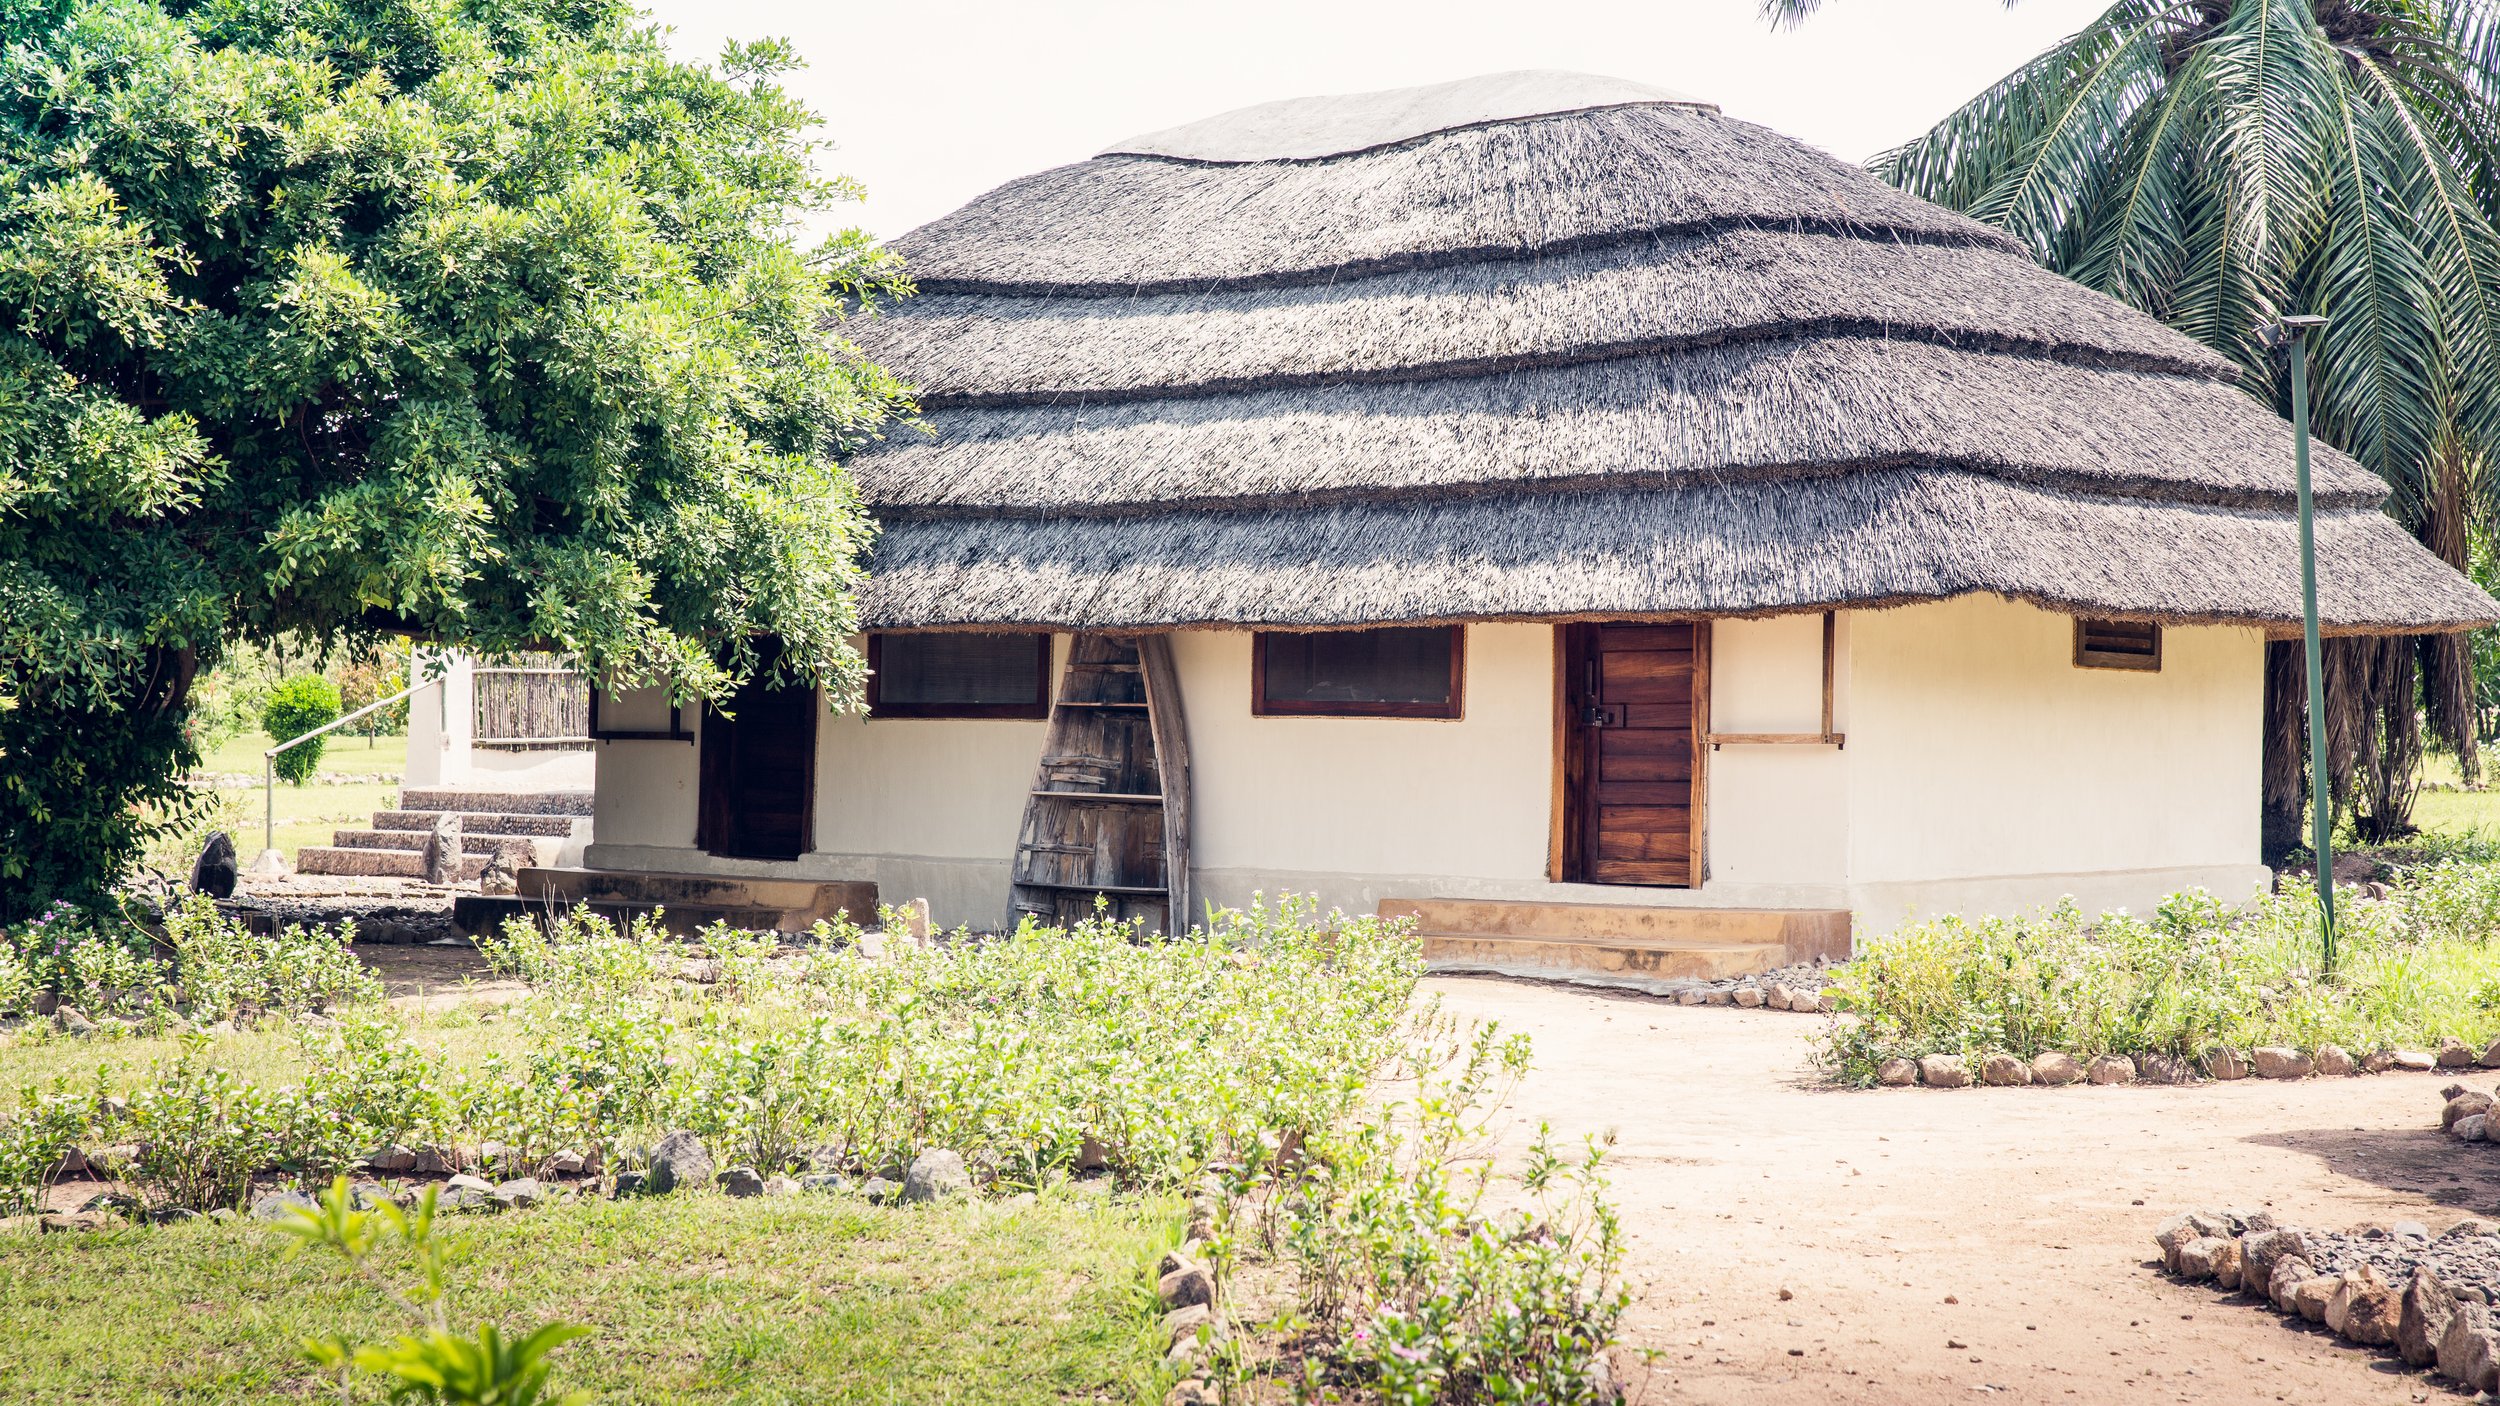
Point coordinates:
[(2057, 1068), (2427, 1320)]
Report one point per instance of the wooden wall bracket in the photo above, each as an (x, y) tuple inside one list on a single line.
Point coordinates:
[(1825, 738)]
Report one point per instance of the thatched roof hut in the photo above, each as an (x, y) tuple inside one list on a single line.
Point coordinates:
[(1544, 345)]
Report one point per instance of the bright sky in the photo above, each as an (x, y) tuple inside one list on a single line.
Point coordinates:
[(932, 102)]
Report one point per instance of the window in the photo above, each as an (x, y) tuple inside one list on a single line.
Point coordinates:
[(2117, 644), (952, 675), (1398, 673)]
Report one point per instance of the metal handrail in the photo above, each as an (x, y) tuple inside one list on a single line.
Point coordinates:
[(269, 759)]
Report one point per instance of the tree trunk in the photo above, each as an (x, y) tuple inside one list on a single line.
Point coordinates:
[(2284, 795), (2448, 659)]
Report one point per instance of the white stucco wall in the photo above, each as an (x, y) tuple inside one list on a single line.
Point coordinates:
[(1982, 772), (1988, 772)]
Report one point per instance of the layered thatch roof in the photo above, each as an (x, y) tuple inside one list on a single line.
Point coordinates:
[(1541, 345)]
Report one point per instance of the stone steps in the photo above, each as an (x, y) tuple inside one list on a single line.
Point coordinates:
[(441, 798), (1628, 945), (522, 849), (376, 863), (481, 822)]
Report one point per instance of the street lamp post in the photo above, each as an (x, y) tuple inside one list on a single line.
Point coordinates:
[(2294, 332)]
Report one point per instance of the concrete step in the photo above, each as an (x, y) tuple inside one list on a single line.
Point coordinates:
[(441, 798), (692, 901), (517, 849), (479, 822), (1618, 944), (376, 863)]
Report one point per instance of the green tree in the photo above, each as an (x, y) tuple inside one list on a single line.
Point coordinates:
[(482, 320), (295, 707), (2219, 163)]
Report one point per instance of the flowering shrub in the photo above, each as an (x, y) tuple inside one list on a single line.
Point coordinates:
[(2412, 969)]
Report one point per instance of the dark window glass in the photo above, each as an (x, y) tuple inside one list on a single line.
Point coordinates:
[(954, 675), (1392, 673)]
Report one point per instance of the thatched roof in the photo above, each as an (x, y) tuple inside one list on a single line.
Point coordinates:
[(1542, 345)]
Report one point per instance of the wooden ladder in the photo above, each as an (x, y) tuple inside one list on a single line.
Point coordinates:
[(1109, 811)]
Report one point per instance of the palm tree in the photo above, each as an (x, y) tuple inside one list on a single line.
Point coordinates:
[(2218, 163)]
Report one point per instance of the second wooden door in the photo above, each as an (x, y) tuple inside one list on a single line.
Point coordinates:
[(1632, 771)]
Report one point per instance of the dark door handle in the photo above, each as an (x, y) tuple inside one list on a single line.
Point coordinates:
[(1603, 715)]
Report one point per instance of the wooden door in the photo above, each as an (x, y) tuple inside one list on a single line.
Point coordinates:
[(1633, 696), (757, 792)]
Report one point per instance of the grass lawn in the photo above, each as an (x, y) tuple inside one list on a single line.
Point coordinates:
[(691, 1298), (307, 814), (2454, 812)]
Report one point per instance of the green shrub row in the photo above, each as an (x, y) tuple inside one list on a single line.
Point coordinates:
[(2415, 967), (202, 966)]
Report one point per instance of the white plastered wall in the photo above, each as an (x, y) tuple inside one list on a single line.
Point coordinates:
[(1988, 773), (1982, 772)]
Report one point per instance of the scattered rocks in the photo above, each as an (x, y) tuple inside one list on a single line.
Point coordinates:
[(2422, 1316), (2474, 1128), (2491, 1056), (2455, 1054), (1943, 1072), (825, 1183), (2225, 1064), (2469, 1350), (2333, 1061), (741, 1182), (282, 1205), (466, 1193), (2462, 1103), (936, 1175), (568, 1163), (2163, 1069), (70, 1020), (781, 1186), (520, 1193), (2056, 1068), (679, 1159), (2413, 1061), (2282, 1062), (880, 1191), (392, 1159), (1896, 1073), (1184, 1282), (2110, 1069), (1750, 997), (1776, 998), (2001, 1071)]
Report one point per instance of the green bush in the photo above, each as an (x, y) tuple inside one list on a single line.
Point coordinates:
[(2413, 969), (297, 706)]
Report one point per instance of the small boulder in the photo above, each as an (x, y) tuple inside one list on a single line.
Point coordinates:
[(2490, 1058), (431, 1162), (2262, 1250), (520, 1193), (498, 878), (2056, 1068), (2227, 1259), (1181, 1325), (2469, 1350), (1999, 1071), (442, 850), (936, 1175), (1943, 1071), (2455, 1054), (2110, 1069), (1805, 1002), (2310, 1297), (392, 1159), (741, 1182), (1718, 997), (781, 1186), (2334, 1062), (568, 1163), (880, 1191), (2222, 1063), (466, 1193), (1691, 996), (1186, 1283), (2462, 1103), (2289, 1273), (2282, 1062), (2471, 1129), (70, 1020), (1750, 997), (1896, 1073), (2415, 1062), (2378, 1061), (2364, 1308), (1777, 998), (2196, 1257), (678, 1160), (282, 1205), (2164, 1069), (2422, 1316), (1193, 1391), (825, 1183)]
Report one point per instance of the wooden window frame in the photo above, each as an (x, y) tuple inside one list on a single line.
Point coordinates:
[(1036, 709), (2089, 658), (1454, 710)]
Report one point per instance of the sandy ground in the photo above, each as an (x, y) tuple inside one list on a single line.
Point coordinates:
[(1964, 1245)]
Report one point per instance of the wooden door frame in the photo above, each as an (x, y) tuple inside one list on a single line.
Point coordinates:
[(1566, 859)]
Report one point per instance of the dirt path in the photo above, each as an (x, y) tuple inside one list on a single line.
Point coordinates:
[(1738, 1176)]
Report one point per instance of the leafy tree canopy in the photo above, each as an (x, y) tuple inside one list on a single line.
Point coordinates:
[(476, 319)]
